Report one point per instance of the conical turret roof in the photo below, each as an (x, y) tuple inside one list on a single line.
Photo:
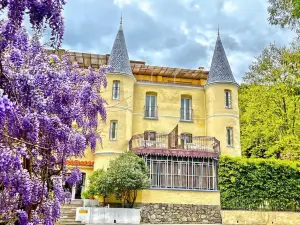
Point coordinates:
[(118, 58), (220, 71)]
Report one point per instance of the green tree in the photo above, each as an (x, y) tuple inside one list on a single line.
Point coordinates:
[(99, 186), (127, 174), (285, 13), (270, 104)]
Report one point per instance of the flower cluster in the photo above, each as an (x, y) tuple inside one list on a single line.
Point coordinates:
[(39, 12), (49, 111)]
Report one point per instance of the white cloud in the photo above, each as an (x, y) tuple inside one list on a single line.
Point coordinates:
[(229, 7), (183, 28), (146, 7), (121, 3), (197, 6), (237, 61)]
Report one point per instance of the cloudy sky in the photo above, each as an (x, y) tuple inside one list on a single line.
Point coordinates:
[(174, 33)]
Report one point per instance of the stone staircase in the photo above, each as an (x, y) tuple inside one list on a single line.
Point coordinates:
[(68, 213)]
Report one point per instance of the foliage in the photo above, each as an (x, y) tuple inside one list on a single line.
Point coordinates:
[(39, 12), (99, 186), (253, 184), (270, 104), (128, 173), (50, 112), (285, 13)]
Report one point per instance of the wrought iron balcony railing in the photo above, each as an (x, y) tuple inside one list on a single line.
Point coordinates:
[(175, 142)]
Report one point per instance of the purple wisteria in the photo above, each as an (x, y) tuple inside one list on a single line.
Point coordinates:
[(49, 111), (40, 12)]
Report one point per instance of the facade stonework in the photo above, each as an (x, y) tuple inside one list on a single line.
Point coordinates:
[(160, 213)]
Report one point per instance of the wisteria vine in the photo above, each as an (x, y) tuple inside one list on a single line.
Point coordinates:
[(49, 111)]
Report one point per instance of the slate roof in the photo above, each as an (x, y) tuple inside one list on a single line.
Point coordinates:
[(118, 58), (220, 71)]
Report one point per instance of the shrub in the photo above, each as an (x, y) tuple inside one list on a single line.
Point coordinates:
[(254, 184)]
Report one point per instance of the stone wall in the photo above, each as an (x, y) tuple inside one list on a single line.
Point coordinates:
[(159, 213)]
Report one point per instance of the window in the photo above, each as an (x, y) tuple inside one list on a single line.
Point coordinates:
[(113, 130), (116, 90), (150, 108), (149, 135), (186, 139), (229, 137), (182, 173), (186, 109), (227, 99)]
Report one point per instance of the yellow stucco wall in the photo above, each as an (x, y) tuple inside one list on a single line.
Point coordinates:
[(173, 197), (168, 102), (120, 110), (210, 119), (219, 117), (179, 197), (259, 217)]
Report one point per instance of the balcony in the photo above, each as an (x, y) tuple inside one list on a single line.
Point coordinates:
[(186, 115), (150, 112), (175, 145)]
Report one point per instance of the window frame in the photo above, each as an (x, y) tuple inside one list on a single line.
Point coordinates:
[(111, 130), (229, 136), (116, 89), (185, 138), (150, 135), (184, 111), (152, 110), (228, 98)]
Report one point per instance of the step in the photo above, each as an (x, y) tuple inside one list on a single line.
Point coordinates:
[(66, 219), (73, 216), (71, 206), (77, 201), (69, 222)]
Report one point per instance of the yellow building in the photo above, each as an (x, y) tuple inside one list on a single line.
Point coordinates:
[(178, 120)]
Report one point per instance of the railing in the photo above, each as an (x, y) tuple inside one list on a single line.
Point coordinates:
[(176, 142), (186, 114), (150, 112)]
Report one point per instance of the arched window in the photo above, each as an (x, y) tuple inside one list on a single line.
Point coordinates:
[(151, 105), (186, 108), (116, 90), (113, 130), (229, 136), (227, 99)]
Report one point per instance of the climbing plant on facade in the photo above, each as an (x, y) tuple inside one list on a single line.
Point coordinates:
[(49, 111)]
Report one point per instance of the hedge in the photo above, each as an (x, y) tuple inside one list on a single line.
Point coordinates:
[(259, 184)]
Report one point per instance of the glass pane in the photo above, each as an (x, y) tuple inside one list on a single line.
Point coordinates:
[(227, 98), (182, 103), (113, 130), (152, 107), (152, 136), (147, 114)]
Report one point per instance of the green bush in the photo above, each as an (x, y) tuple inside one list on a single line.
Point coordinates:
[(99, 186), (259, 184), (126, 174)]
